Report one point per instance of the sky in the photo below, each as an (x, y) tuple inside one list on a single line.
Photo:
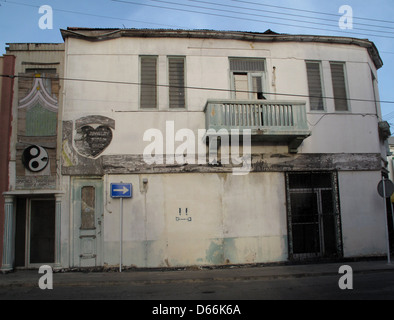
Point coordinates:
[(22, 21)]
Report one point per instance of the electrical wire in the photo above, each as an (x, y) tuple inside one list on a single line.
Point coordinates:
[(389, 116), (290, 14), (226, 16), (92, 15), (257, 15), (197, 88), (240, 18), (310, 11)]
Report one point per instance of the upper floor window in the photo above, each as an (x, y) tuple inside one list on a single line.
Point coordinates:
[(315, 85), (176, 75), (338, 76), (247, 77), (148, 91)]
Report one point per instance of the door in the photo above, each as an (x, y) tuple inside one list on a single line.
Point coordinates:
[(313, 215), (305, 222), (88, 222), (34, 232), (248, 86), (241, 86)]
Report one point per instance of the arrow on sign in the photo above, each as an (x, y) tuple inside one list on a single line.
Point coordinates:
[(124, 190), (121, 190)]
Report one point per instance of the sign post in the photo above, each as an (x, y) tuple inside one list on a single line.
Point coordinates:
[(385, 190), (121, 190)]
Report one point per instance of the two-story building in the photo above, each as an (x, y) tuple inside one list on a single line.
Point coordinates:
[(240, 147)]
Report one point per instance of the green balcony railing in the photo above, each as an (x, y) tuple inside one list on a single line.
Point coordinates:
[(276, 121)]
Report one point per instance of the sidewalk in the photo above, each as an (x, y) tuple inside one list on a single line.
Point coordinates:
[(29, 278)]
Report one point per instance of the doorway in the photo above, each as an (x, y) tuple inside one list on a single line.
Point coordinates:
[(35, 232), (88, 222), (314, 224)]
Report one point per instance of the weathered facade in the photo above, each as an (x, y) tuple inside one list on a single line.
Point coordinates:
[(32, 196), (162, 110)]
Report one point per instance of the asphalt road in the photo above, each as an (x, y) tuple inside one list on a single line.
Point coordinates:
[(377, 285)]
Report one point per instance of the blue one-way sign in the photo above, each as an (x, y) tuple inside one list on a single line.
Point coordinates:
[(121, 190)]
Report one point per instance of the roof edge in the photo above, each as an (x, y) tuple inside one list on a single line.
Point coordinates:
[(92, 34)]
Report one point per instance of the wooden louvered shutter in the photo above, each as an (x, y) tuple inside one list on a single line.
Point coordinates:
[(339, 86), (246, 65), (315, 86), (177, 82), (148, 82)]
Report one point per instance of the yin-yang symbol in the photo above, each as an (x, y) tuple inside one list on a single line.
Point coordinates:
[(35, 158)]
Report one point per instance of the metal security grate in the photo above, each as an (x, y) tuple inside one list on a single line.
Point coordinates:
[(313, 215)]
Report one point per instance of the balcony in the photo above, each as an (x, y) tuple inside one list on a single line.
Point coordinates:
[(271, 121)]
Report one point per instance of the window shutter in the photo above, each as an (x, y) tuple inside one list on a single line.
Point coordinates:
[(177, 82), (247, 65), (148, 82), (339, 86), (315, 86)]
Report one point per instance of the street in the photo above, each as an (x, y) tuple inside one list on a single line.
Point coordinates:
[(378, 285)]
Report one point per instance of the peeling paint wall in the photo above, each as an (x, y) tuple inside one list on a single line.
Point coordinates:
[(199, 219)]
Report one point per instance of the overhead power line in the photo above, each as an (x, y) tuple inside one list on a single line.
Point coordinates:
[(294, 15), (241, 18), (309, 11), (90, 14), (289, 14), (194, 88), (235, 17)]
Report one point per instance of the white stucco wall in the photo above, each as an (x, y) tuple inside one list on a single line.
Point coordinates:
[(234, 219), (207, 66), (362, 214)]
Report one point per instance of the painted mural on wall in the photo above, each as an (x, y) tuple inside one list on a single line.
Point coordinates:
[(93, 134), (36, 165), (84, 141)]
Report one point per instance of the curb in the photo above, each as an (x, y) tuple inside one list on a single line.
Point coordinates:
[(131, 278)]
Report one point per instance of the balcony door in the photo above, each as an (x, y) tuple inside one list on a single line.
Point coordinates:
[(247, 78), (248, 86)]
